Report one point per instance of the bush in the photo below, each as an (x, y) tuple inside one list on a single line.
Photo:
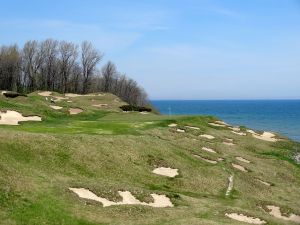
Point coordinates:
[(12, 94), (135, 108)]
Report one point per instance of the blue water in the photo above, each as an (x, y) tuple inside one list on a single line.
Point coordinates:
[(282, 116)]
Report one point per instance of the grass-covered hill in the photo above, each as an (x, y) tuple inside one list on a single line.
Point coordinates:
[(223, 172)]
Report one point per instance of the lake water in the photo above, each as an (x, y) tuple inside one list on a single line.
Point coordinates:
[(282, 116)]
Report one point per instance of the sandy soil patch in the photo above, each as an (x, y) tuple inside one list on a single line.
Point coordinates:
[(239, 167), (230, 185), (160, 201), (208, 150), (207, 136), (244, 218), (13, 118), (56, 107), (101, 105), (74, 111), (239, 133), (194, 128), (45, 93), (220, 159), (275, 211), (242, 159), (266, 136), (180, 130), (172, 125), (206, 160), (164, 171)]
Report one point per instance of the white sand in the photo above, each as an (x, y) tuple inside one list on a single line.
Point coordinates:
[(13, 118), (230, 185), (45, 93), (144, 113), (209, 150), (74, 111), (168, 172), (221, 122), (127, 199), (246, 219), (172, 125), (56, 107), (194, 128), (239, 167), (266, 136), (239, 133), (275, 211), (180, 130), (207, 136), (242, 159), (206, 160)]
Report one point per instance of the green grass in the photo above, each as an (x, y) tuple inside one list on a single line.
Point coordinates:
[(106, 150)]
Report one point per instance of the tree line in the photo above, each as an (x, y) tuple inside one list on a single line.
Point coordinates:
[(63, 67)]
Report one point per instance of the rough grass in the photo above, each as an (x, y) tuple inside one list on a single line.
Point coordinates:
[(106, 150)]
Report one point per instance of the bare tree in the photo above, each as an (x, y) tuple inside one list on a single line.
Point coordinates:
[(68, 55), (90, 57), (109, 72)]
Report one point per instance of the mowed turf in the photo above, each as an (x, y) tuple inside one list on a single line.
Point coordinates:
[(106, 150)]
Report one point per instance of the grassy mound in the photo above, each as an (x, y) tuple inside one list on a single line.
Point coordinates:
[(105, 151)]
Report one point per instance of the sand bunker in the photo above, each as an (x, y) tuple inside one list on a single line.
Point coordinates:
[(230, 185), (169, 172), (160, 201), (239, 133), (275, 211), (172, 125), (101, 105), (228, 141), (206, 160), (74, 111), (13, 118), (69, 101), (217, 124), (207, 136), (263, 182), (45, 93), (246, 219), (194, 128), (236, 129), (56, 107), (239, 167), (72, 95), (266, 136), (144, 113), (242, 159), (180, 130), (209, 150)]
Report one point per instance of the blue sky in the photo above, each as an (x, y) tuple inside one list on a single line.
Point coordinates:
[(191, 49)]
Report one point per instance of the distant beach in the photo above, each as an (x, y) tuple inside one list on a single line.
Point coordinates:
[(282, 116)]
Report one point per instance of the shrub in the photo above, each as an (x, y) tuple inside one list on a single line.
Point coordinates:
[(12, 94), (135, 108)]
